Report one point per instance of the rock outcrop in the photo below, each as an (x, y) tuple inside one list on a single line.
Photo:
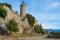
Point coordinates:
[(2, 23), (20, 19), (3, 30), (22, 24)]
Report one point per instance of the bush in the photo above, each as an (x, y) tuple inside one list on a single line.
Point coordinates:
[(38, 29), (55, 33), (3, 12), (8, 5), (31, 19), (12, 26)]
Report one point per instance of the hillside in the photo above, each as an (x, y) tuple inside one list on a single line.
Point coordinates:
[(25, 22)]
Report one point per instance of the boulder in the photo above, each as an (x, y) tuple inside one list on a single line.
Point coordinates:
[(3, 30)]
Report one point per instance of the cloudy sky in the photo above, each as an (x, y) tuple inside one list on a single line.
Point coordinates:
[(47, 12)]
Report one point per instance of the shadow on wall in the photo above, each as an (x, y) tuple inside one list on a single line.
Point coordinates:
[(3, 31)]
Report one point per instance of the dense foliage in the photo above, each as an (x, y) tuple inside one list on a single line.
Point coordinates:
[(3, 12), (55, 33), (38, 29), (8, 5), (31, 19), (12, 26)]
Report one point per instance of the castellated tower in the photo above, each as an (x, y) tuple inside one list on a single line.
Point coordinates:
[(22, 10)]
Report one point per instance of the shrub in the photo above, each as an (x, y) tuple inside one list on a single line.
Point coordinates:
[(12, 26), (3, 12), (38, 29), (55, 33), (8, 5), (31, 19)]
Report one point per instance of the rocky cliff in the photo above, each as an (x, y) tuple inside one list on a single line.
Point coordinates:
[(22, 24)]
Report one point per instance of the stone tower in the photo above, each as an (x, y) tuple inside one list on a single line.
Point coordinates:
[(22, 10)]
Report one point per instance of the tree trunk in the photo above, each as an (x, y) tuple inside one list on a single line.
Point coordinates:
[(10, 33)]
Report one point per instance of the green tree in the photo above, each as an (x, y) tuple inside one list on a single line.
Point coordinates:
[(3, 12), (31, 19), (38, 29), (55, 33), (8, 5), (41, 29), (12, 26)]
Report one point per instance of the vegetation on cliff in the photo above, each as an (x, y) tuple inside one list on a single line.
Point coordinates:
[(12, 26), (31, 19), (38, 29), (8, 5), (3, 12)]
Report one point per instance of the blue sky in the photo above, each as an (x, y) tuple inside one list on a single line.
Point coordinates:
[(47, 12)]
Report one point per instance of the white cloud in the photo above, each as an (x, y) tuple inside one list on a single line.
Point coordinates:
[(50, 25), (48, 20), (41, 11), (53, 5), (47, 16)]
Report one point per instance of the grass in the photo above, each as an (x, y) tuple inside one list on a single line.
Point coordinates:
[(30, 35), (17, 37), (22, 35), (26, 35)]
